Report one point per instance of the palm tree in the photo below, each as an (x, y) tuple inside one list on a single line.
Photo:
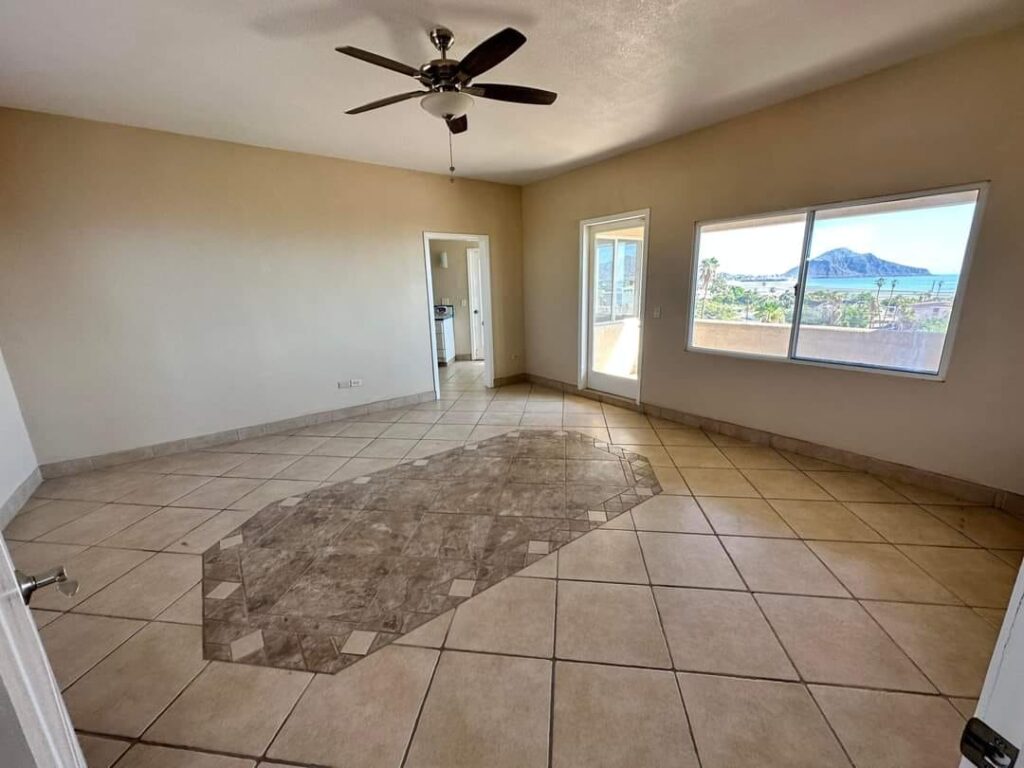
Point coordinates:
[(706, 275)]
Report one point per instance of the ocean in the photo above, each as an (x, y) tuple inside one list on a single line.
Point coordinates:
[(906, 284)]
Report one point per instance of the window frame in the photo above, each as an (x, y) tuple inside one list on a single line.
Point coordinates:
[(809, 212)]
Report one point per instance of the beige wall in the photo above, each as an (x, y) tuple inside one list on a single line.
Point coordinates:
[(453, 284), (17, 459), (157, 286), (951, 118)]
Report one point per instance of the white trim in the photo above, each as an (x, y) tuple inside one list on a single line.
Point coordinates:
[(584, 324), (475, 329), (484, 243), (810, 211)]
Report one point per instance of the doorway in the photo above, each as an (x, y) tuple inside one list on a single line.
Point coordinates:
[(613, 256), (459, 293)]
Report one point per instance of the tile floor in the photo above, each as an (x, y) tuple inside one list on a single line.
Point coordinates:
[(764, 609)]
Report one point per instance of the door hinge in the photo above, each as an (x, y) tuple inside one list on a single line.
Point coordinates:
[(985, 748)]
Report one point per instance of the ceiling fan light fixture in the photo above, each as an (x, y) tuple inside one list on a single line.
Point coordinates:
[(445, 104)]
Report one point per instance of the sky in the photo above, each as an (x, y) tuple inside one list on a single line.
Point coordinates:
[(934, 238)]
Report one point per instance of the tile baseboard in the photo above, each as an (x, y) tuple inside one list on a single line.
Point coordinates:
[(14, 503), (107, 460), (953, 486)]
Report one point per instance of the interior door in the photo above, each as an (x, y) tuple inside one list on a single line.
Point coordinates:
[(34, 707), (476, 315), (615, 258)]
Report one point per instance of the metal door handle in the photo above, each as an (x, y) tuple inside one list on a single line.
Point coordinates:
[(29, 584)]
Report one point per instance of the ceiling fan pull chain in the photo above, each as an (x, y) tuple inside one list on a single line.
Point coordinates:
[(451, 160)]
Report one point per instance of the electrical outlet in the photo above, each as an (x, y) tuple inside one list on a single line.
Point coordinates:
[(344, 384), (657, 312), (355, 382)]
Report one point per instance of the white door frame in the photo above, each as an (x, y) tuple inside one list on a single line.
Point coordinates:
[(584, 325), (28, 680), (484, 243), (475, 326)]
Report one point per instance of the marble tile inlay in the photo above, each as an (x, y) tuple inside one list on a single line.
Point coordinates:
[(346, 569)]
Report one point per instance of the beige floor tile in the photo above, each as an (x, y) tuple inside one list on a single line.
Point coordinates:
[(686, 456), (718, 482), (146, 591), (200, 539), (299, 446), (609, 623), (162, 490), (603, 556), (263, 466), (209, 463), (892, 730), (758, 723), (273, 490), (44, 618), (729, 441), (358, 467), (780, 565), (161, 529), (755, 457), (406, 431), (429, 635), (907, 524), (744, 517), (688, 560), (345, 447), (231, 708), (1013, 557), (619, 718), (417, 417), (515, 616), (219, 493), (965, 707), (317, 468), (449, 432), (693, 437), (452, 417), (46, 517), (187, 609), (92, 486), (101, 752), (993, 616), (380, 698), (922, 495), (671, 481), (582, 419), (633, 435), (670, 514), (626, 420), (809, 463), (500, 418), (880, 572), (720, 632), (151, 756), (480, 432), (99, 524), (952, 645), (855, 486), (541, 419), (31, 557), (977, 577), (828, 520), (985, 525), (126, 691), (484, 710), (93, 569), (656, 455), (74, 644), (836, 641), (785, 484)]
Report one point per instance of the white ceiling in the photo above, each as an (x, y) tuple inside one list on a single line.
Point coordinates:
[(628, 72)]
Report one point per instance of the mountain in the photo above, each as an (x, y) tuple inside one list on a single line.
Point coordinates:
[(842, 262)]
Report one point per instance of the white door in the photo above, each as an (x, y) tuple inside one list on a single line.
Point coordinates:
[(1001, 705), (476, 315), (614, 258), (36, 707)]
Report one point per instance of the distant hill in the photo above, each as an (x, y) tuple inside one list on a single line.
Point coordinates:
[(842, 262)]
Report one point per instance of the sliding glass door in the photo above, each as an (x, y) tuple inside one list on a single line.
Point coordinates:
[(614, 262)]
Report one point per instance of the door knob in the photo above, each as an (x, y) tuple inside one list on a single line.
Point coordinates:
[(29, 584)]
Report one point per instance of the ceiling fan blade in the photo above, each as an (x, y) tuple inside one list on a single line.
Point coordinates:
[(385, 102), (490, 53), (457, 124), (380, 61), (520, 94)]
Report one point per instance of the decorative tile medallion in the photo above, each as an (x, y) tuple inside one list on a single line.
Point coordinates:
[(346, 569)]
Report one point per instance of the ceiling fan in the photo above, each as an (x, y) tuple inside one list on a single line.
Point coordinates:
[(449, 82)]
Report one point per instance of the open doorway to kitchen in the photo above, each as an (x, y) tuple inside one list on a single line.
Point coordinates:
[(459, 290)]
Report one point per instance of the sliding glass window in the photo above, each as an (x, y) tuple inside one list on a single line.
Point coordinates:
[(874, 284)]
